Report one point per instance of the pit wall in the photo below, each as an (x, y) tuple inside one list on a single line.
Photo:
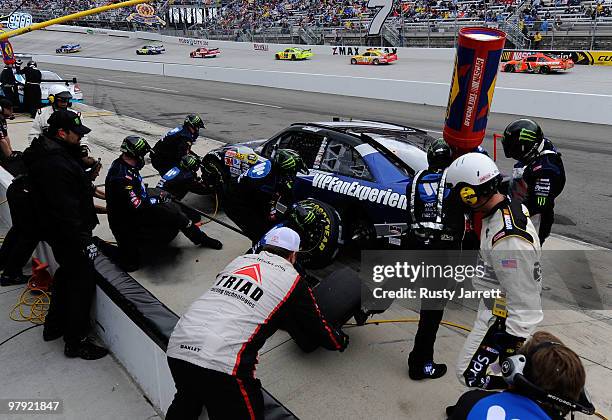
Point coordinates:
[(583, 107)]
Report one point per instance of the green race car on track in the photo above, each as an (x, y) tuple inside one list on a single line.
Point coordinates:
[(293, 54)]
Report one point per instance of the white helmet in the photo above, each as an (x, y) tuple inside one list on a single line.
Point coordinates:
[(58, 91), (474, 175)]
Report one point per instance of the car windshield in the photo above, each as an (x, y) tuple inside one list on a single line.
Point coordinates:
[(416, 138), (49, 75)]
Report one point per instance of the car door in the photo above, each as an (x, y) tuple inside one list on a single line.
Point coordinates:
[(531, 63), (365, 58)]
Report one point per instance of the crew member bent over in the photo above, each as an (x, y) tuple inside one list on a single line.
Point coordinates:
[(168, 152), (213, 350)]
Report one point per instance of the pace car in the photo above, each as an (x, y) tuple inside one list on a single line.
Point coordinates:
[(538, 63), (68, 48), (375, 57), (293, 54), (205, 53), (360, 168), (151, 50)]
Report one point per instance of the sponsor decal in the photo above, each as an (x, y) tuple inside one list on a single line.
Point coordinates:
[(145, 14), (253, 271), (474, 90), (507, 219), (362, 192), (193, 41), (355, 50), (190, 348), (511, 264), (19, 20), (499, 235), (261, 47), (239, 288), (578, 57)]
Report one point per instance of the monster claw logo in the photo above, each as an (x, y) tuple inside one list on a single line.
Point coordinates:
[(384, 10), (527, 135)]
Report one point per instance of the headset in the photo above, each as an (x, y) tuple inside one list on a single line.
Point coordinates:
[(52, 99), (470, 194), (515, 370)]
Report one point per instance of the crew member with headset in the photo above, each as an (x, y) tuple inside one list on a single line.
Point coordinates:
[(546, 381), (62, 199), (137, 216), (510, 253), (435, 223), (168, 152), (59, 98), (538, 177), (212, 352), (31, 89), (9, 84)]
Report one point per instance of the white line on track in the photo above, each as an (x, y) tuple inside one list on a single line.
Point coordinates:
[(160, 89), (250, 103), (111, 81)]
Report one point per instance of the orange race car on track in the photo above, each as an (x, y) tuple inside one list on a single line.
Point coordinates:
[(538, 63)]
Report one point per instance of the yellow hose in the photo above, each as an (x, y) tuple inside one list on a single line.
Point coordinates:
[(406, 320), (32, 306)]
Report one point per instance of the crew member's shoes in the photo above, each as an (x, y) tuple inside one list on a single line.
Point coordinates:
[(209, 242), (450, 410), (429, 370), (85, 349), (52, 332), (7, 280)]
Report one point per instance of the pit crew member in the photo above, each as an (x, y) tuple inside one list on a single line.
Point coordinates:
[(212, 352), (538, 177), (184, 178), (510, 253), (168, 152), (31, 89), (9, 84), (135, 215)]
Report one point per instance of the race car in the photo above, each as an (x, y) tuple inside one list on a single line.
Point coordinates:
[(293, 54), (360, 169), (375, 57), (205, 53), (48, 80), (151, 50), (538, 63), (68, 48)]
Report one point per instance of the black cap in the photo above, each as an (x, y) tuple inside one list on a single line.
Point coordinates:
[(67, 120)]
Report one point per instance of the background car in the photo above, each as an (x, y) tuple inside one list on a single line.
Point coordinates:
[(205, 53), (68, 48), (293, 54), (374, 56), (359, 168), (538, 63), (151, 50), (50, 79)]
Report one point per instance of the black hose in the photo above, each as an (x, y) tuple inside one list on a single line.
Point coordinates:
[(214, 219)]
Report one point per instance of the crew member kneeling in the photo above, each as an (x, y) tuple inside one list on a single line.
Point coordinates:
[(212, 352), (136, 216)]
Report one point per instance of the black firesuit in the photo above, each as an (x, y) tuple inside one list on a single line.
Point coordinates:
[(63, 206), (168, 151), (9, 85), (31, 90), (137, 216), (537, 183)]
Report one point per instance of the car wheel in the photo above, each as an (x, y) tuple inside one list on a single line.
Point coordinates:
[(216, 174), (321, 246), (353, 61), (293, 58), (375, 62), (509, 68), (277, 56), (544, 69)]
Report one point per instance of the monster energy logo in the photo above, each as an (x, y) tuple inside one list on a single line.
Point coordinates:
[(527, 135), (139, 144), (541, 201), (77, 121), (288, 164)]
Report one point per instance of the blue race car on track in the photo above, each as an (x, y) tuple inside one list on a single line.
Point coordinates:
[(68, 49), (359, 168)]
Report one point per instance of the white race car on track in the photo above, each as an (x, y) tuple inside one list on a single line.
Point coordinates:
[(49, 79)]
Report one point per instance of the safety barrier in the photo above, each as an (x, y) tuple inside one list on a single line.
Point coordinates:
[(580, 57)]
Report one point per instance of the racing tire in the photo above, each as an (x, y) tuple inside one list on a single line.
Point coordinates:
[(544, 70), (509, 68), (324, 252), (293, 58), (277, 57), (375, 62), (353, 61), (224, 178)]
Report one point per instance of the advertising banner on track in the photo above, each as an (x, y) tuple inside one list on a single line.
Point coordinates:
[(145, 14), (582, 57)]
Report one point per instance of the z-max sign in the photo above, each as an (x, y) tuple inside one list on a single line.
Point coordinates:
[(356, 50)]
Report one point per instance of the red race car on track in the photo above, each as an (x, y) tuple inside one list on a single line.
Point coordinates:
[(537, 63), (205, 53)]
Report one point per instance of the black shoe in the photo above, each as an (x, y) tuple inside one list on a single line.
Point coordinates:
[(85, 349), (209, 242), (429, 370), (450, 410), (51, 332), (6, 280)]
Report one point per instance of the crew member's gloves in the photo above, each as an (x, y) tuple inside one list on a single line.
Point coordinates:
[(164, 196), (343, 339), (507, 344)]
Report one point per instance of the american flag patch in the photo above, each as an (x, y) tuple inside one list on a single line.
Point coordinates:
[(509, 264)]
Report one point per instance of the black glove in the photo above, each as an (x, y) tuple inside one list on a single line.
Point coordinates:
[(507, 344), (164, 196), (343, 339)]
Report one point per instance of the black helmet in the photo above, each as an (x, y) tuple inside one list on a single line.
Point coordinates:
[(289, 162), (32, 64), (439, 155), (522, 139), (137, 148), (189, 163), (194, 121)]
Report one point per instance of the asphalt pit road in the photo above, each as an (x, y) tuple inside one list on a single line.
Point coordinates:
[(564, 220)]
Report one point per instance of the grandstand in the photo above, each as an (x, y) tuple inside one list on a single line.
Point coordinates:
[(564, 24)]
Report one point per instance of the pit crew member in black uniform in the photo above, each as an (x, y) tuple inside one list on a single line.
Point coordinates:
[(62, 199), (435, 223), (168, 152), (546, 379), (10, 159), (212, 352), (31, 89), (254, 200), (510, 254), (9, 84), (138, 216), (538, 177), (184, 178)]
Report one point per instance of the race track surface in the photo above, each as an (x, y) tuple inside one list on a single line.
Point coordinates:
[(581, 79)]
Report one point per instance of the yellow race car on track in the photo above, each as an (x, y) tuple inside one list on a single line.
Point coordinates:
[(293, 54), (374, 56)]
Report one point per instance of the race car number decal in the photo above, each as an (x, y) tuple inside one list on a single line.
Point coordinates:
[(384, 10)]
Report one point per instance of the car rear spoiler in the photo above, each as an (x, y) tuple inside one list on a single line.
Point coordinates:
[(67, 82)]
